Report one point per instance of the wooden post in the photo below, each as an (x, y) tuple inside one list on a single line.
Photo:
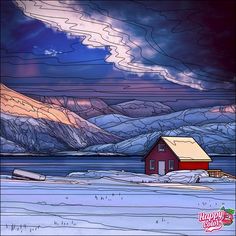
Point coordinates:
[(219, 174), (214, 173)]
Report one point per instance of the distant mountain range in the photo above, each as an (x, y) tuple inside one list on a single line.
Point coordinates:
[(85, 108), (55, 124), (138, 108), (88, 108), (127, 127), (214, 138), (34, 126)]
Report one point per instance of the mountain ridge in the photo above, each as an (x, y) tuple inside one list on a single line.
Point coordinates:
[(127, 127), (86, 108), (31, 126), (37, 127), (214, 138), (93, 107), (138, 109)]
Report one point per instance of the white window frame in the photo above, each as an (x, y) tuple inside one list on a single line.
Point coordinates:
[(152, 164), (161, 147), (173, 163)]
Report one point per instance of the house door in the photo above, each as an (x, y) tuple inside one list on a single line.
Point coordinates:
[(161, 167)]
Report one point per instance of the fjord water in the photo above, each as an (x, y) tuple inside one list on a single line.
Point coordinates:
[(63, 165)]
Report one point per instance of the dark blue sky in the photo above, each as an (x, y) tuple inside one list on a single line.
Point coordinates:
[(166, 50)]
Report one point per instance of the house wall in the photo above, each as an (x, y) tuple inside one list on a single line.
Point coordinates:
[(160, 156), (193, 165)]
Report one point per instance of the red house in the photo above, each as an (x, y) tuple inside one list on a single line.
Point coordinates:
[(175, 153)]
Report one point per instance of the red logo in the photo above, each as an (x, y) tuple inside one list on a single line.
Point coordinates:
[(215, 220)]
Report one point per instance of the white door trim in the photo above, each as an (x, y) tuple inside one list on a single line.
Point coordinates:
[(161, 167)]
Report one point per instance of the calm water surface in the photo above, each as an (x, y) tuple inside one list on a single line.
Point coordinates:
[(63, 165)]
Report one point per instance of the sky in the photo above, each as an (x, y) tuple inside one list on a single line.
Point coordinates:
[(164, 51)]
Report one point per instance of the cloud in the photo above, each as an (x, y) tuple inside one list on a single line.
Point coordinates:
[(51, 52), (129, 45)]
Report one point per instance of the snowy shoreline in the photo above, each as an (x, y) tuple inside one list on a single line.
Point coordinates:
[(112, 203)]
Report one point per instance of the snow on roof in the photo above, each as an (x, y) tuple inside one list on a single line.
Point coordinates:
[(186, 149)]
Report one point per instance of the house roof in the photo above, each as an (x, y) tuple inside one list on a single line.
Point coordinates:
[(186, 149)]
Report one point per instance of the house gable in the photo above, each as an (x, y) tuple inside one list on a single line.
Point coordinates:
[(155, 156), (186, 149)]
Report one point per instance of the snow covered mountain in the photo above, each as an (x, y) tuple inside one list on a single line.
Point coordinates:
[(138, 108), (126, 127), (83, 107), (28, 125), (33, 126), (214, 138), (88, 108)]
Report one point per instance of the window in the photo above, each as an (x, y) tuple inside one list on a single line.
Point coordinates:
[(161, 147), (152, 164), (171, 164)]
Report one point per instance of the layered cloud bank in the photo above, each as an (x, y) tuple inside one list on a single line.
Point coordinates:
[(130, 43)]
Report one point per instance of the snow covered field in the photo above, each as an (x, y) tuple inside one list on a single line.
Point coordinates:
[(113, 203)]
